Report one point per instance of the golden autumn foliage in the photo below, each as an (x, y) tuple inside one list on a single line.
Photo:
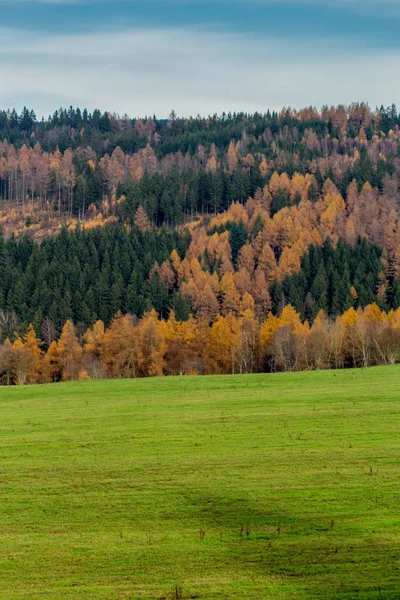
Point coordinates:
[(26, 357), (225, 292), (93, 339), (119, 348), (232, 343), (230, 295), (51, 367), (223, 342), (151, 345), (70, 352)]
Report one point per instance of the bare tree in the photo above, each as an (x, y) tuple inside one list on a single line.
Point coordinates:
[(48, 332)]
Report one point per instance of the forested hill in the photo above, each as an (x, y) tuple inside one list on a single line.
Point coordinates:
[(202, 218), (88, 166)]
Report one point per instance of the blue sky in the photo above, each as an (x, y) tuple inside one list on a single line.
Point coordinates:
[(197, 56)]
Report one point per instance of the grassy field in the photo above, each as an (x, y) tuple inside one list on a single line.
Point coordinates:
[(254, 487)]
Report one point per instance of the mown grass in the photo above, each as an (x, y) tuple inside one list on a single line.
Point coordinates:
[(254, 487)]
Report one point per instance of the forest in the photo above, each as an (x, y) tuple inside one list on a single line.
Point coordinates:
[(161, 233)]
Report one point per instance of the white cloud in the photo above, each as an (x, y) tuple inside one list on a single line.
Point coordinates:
[(152, 71)]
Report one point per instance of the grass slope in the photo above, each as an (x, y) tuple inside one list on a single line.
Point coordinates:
[(253, 487)]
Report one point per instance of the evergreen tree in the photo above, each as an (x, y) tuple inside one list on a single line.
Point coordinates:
[(237, 239)]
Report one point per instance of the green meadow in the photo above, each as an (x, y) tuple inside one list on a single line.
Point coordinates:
[(243, 487)]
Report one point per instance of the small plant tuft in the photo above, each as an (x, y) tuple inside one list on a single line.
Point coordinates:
[(178, 593)]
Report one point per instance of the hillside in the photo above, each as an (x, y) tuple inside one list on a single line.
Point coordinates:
[(211, 222), (277, 486)]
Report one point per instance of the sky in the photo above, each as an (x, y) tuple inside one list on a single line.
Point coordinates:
[(145, 57)]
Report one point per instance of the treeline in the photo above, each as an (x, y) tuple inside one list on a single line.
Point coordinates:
[(104, 131), (82, 165), (148, 347), (85, 276)]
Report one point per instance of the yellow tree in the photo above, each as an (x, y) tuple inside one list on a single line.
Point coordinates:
[(193, 346), (242, 281), (119, 347), (247, 353), (290, 261), (70, 352), (230, 295), (383, 338), (319, 342), (173, 347), (337, 343), (93, 340), (247, 303), (261, 295), (282, 340), (263, 167), (206, 304), (267, 263), (246, 258), (151, 345), (349, 321), (268, 330), (183, 346), (224, 341), (232, 158), (51, 368), (21, 362), (176, 265), (26, 357), (32, 344)]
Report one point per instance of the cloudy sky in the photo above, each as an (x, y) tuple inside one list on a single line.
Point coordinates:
[(197, 56)]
